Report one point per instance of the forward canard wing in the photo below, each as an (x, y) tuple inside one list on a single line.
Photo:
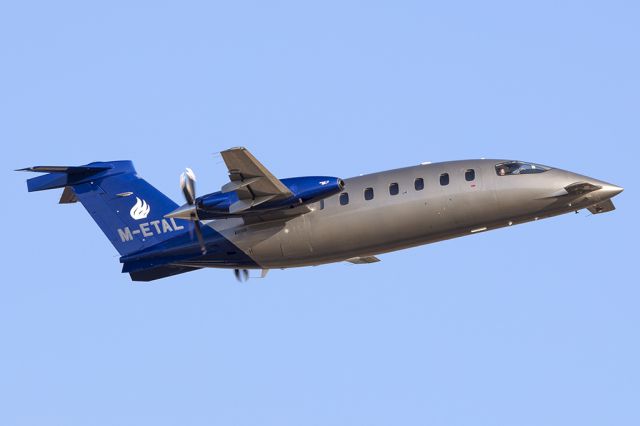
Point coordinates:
[(253, 183), (602, 207), (574, 190)]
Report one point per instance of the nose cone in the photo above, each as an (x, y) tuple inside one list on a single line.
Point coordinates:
[(609, 191), (592, 189)]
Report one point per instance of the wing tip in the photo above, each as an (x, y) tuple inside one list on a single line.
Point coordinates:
[(235, 148)]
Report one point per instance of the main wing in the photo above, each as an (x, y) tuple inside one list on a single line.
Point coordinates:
[(253, 183)]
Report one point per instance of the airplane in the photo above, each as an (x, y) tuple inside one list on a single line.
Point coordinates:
[(259, 222)]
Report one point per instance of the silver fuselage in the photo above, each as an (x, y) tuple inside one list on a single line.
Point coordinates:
[(333, 232)]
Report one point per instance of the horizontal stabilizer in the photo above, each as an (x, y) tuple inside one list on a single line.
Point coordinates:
[(65, 169), (63, 176)]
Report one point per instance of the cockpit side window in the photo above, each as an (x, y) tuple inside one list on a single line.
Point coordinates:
[(519, 168)]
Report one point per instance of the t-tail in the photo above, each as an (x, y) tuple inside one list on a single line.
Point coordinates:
[(127, 208)]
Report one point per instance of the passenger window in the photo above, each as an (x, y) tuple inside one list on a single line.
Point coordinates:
[(418, 184), (344, 198), (394, 189), (470, 175), (444, 179), (368, 194)]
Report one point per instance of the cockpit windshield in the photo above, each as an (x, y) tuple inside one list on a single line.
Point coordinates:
[(519, 168)]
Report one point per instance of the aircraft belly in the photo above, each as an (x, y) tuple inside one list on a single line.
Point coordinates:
[(371, 230), (322, 237), (384, 228), (276, 244), (261, 242)]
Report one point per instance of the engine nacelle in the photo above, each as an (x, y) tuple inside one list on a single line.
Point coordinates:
[(309, 189)]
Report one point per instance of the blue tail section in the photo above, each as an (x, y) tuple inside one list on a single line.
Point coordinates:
[(126, 207)]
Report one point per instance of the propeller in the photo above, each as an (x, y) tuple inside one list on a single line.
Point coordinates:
[(188, 186), (242, 275)]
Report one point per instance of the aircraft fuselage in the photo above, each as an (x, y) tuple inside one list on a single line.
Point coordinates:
[(453, 199)]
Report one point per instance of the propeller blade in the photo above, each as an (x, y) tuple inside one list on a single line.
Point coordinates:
[(188, 186), (196, 225), (236, 272)]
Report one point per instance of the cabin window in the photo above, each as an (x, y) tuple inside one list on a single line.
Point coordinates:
[(368, 194), (470, 175), (444, 179), (418, 184), (344, 198), (394, 189), (519, 168)]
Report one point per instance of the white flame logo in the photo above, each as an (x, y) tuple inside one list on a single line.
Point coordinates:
[(140, 210)]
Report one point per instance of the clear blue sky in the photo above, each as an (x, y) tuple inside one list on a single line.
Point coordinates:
[(533, 325)]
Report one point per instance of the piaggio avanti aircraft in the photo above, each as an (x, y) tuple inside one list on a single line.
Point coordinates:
[(257, 221)]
